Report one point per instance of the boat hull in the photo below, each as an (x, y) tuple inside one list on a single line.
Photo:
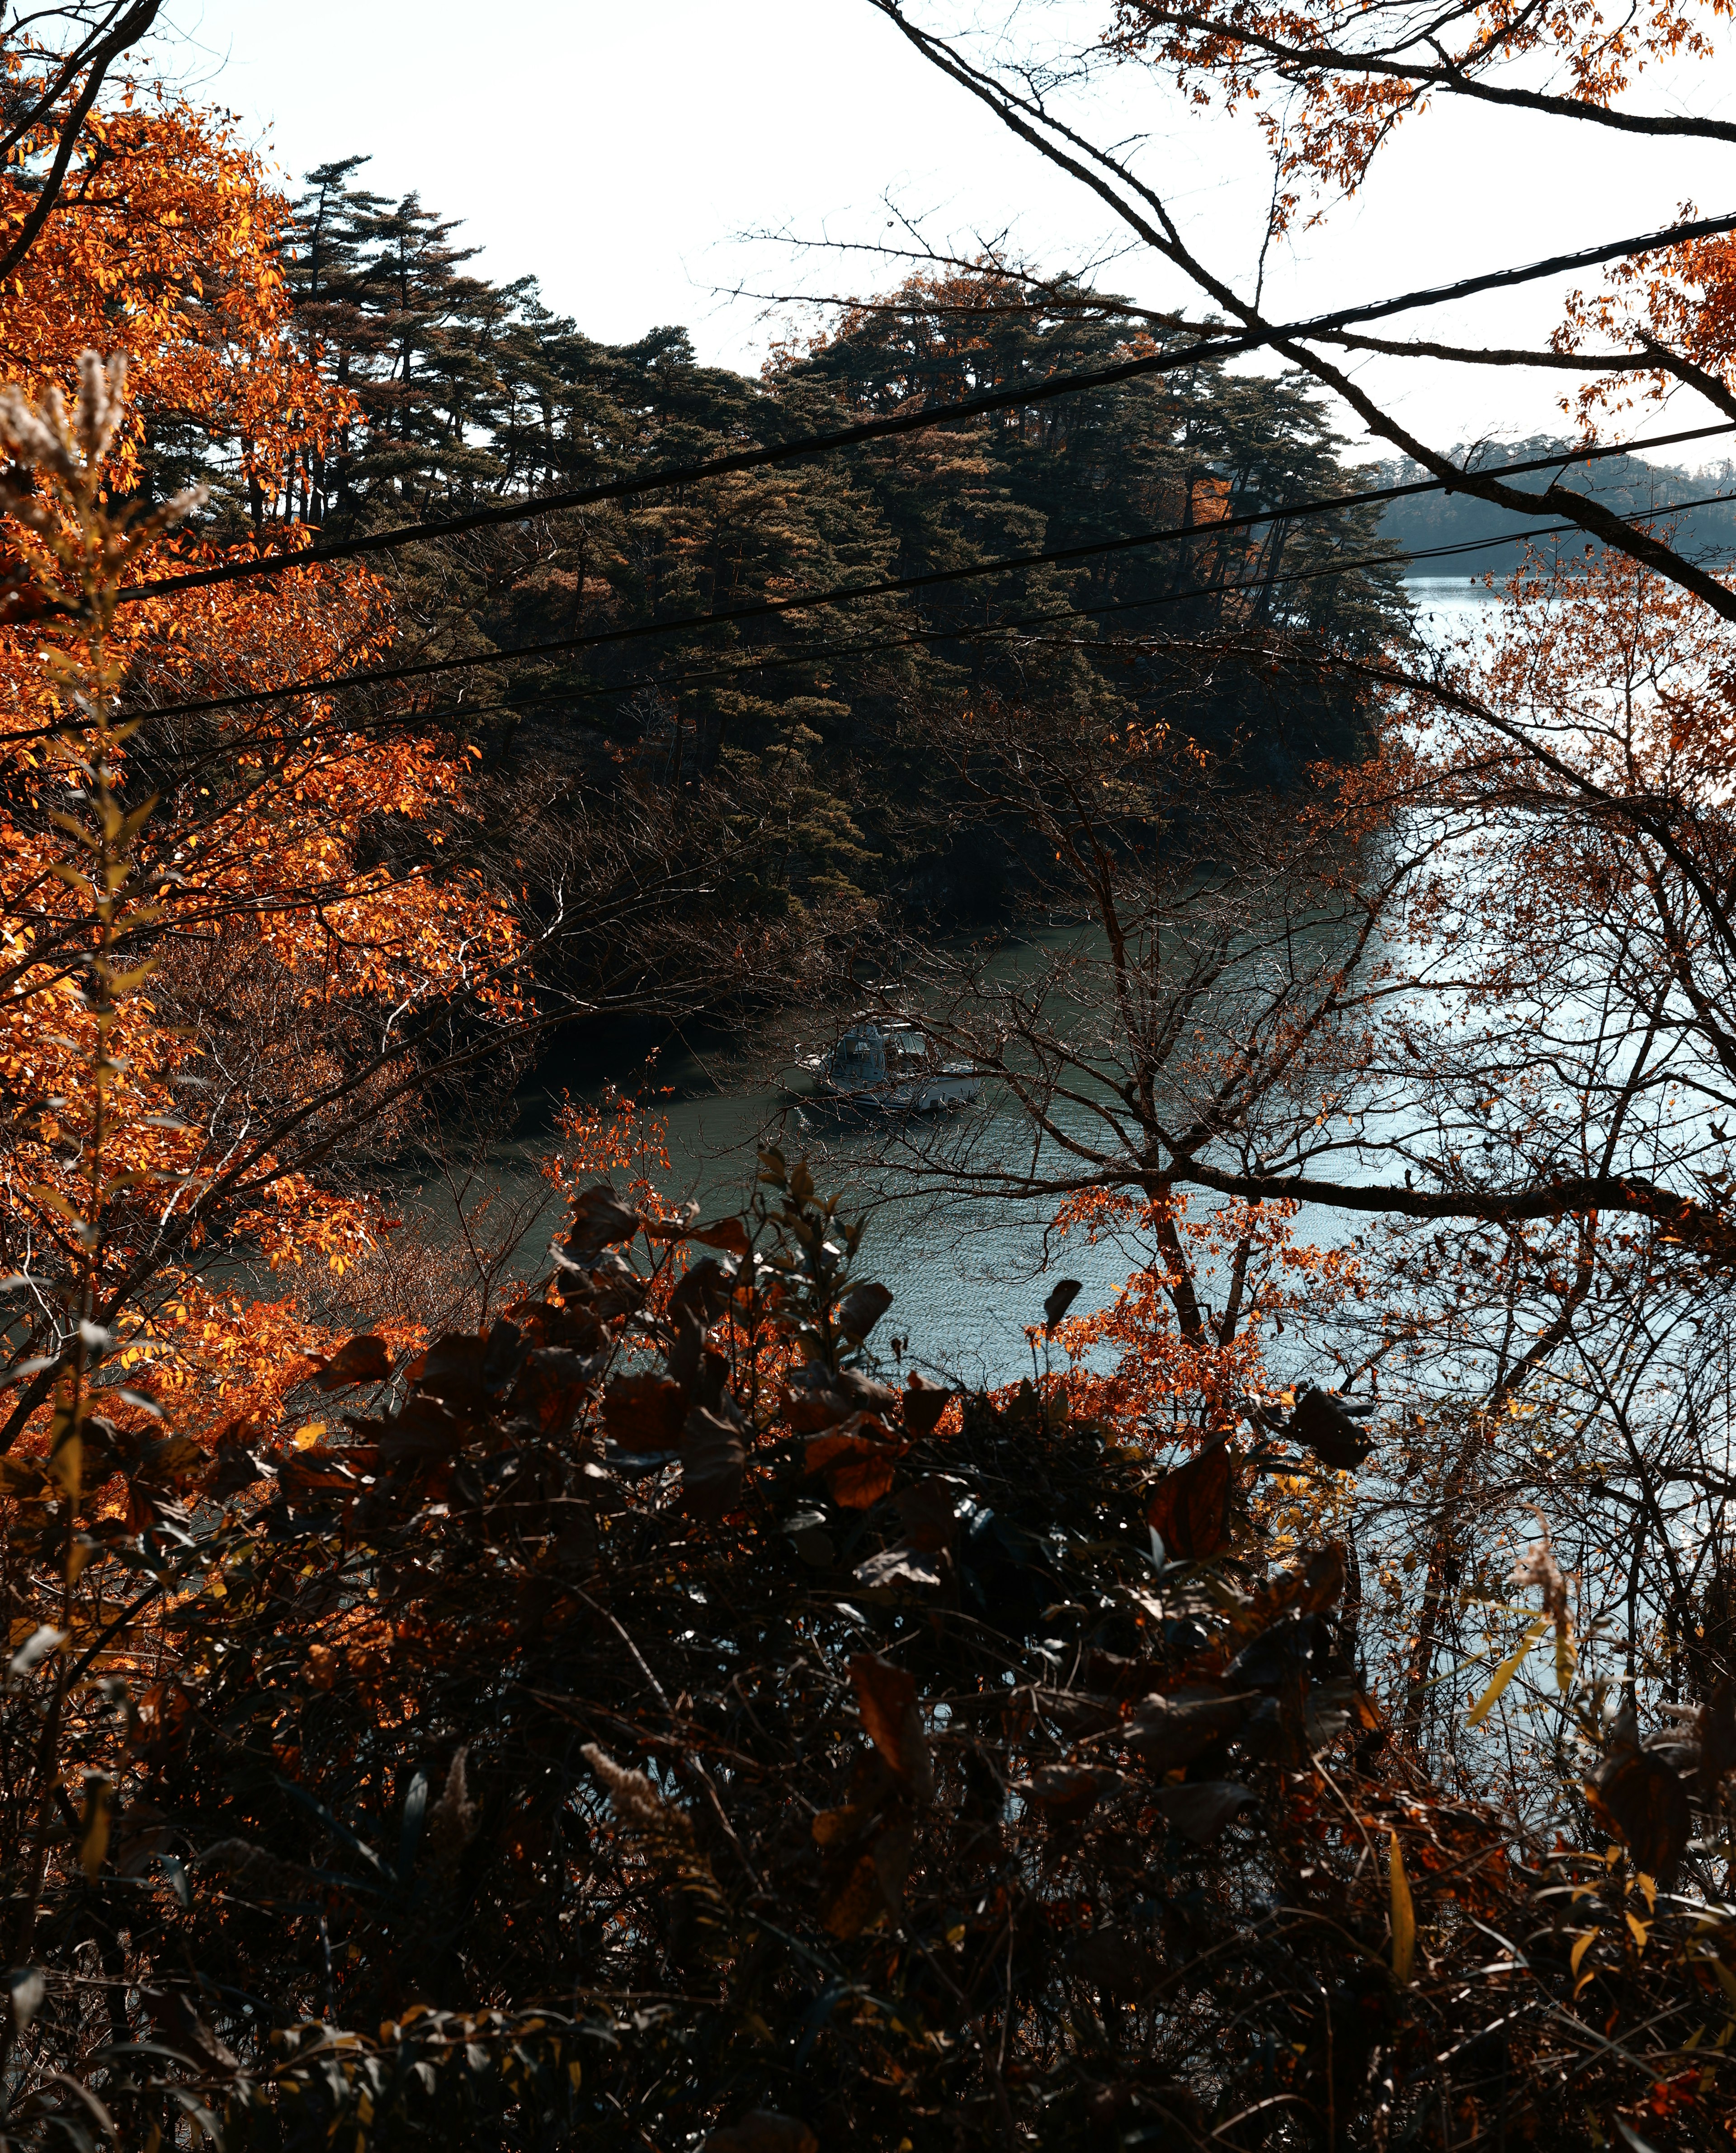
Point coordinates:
[(916, 1095)]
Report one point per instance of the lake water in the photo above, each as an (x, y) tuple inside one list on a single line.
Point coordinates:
[(966, 1276)]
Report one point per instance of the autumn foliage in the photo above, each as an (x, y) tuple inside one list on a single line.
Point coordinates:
[(648, 1706)]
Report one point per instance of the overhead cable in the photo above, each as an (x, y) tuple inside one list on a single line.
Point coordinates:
[(1209, 346), (773, 660), (895, 586)]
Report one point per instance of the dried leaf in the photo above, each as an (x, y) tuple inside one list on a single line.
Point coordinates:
[(1061, 1297), (1067, 1792), (1717, 1730), (1504, 1673), (1200, 1811), (899, 1566), (928, 1510), (1189, 1510), (1320, 1424), (729, 1234), (25, 1989), (35, 1649), (184, 2029), (855, 1902), (886, 1696), (809, 1412), (1171, 1730), (858, 1469), (861, 1308), (892, 1852), (644, 1412), (762, 2131), (703, 1293), (1645, 1805), (599, 1220), (714, 1458), (923, 1404), (94, 1826), (1404, 1917), (363, 1360)]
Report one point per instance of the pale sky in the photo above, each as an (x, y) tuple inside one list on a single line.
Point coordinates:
[(626, 154)]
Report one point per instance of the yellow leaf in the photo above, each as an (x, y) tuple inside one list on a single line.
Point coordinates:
[(309, 1434), (575, 2075), (1404, 1917), (1504, 1673), (52, 1200), (93, 1838), (66, 1465), (1640, 1931), (1582, 1943)]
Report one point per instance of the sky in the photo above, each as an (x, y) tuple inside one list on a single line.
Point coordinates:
[(686, 161)]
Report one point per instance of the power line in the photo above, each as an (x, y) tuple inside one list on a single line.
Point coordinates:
[(1208, 346), (930, 579), (770, 661)]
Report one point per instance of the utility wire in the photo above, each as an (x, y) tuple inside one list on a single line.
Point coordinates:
[(590, 690), (930, 579), (1208, 347)]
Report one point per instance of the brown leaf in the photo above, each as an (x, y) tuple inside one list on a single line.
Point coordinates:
[(924, 1405), (861, 1308), (713, 1459), (808, 1412), (892, 1853), (1116, 1960), (1064, 1293), (858, 1469), (1717, 1730), (886, 1696), (1066, 1792), (1190, 1510), (848, 1910), (676, 1227), (180, 2023), (702, 1293), (644, 1412), (729, 1234), (899, 1566), (927, 1511), (599, 1219), (1645, 1805), (1200, 1811), (762, 2131), (363, 1360), (551, 1386), (1320, 1424), (1170, 1730), (865, 1394)]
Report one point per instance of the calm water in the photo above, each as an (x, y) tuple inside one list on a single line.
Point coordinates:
[(966, 1275)]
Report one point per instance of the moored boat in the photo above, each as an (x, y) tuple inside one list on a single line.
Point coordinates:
[(895, 1070)]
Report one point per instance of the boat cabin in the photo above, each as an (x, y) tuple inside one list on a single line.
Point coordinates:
[(865, 1055)]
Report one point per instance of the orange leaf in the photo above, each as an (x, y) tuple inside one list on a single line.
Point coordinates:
[(644, 1412), (1189, 1510), (886, 1696)]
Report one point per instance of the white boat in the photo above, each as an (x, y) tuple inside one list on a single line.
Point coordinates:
[(896, 1069)]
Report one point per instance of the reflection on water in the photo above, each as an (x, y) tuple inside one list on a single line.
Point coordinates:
[(966, 1274), (1451, 608)]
